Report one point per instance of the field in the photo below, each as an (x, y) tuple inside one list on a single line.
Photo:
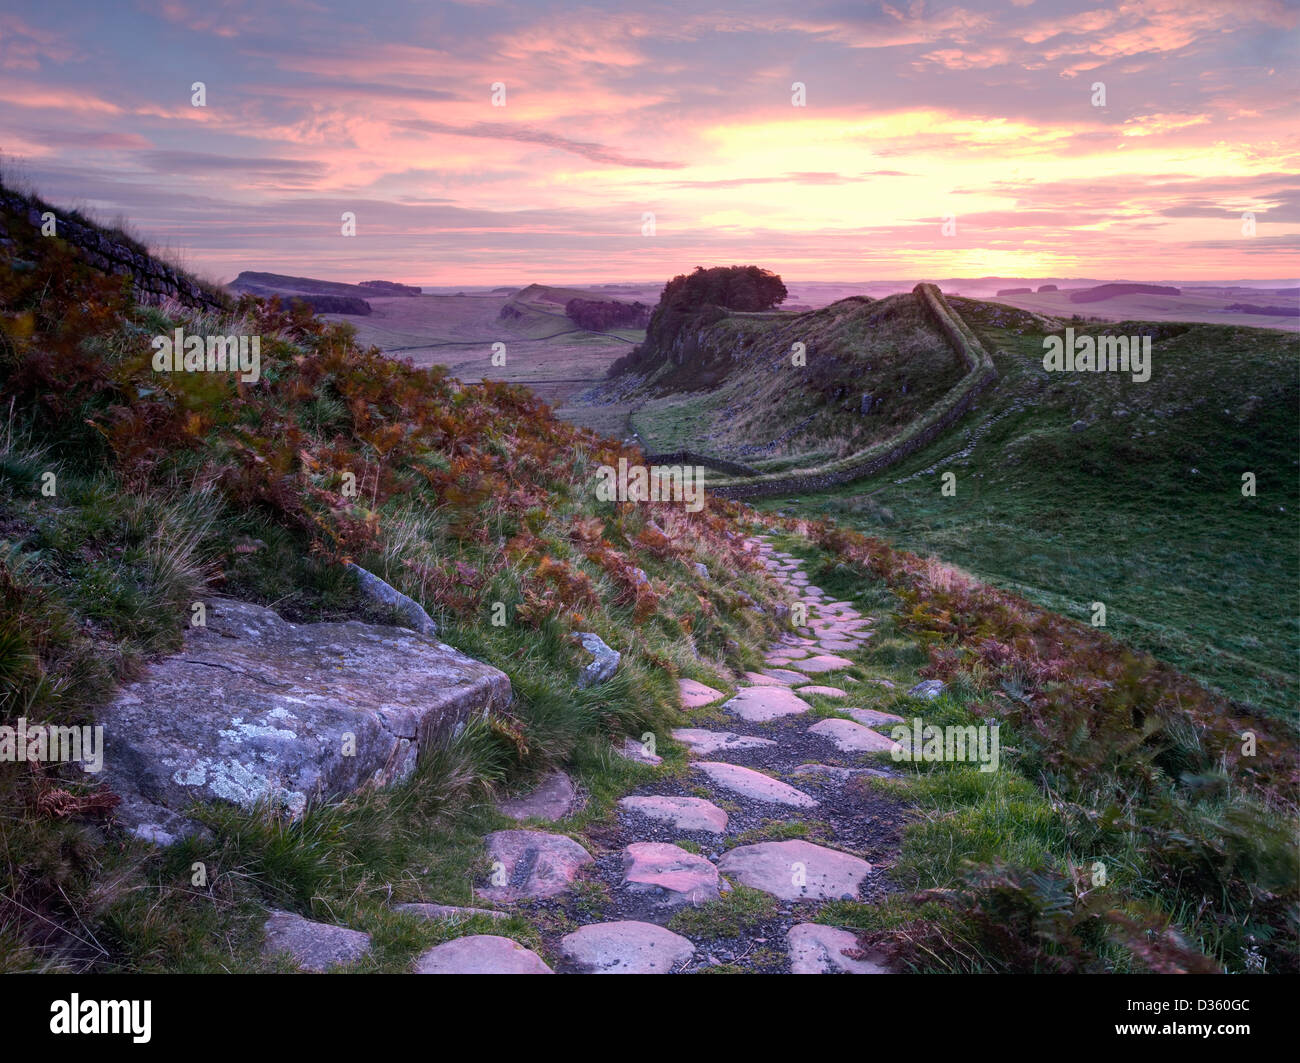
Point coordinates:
[(544, 350)]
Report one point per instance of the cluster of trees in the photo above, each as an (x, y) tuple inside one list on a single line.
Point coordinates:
[(598, 315), (731, 287)]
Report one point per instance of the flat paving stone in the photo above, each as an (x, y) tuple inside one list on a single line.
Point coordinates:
[(823, 662), (449, 912), (796, 870), (873, 717), (313, 946), (785, 676), (755, 785), (694, 694), (553, 799), (705, 742), (626, 947), (850, 737), (826, 692), (818, 949), (532, 865), (758, 679), (669, 873), (684, 813), (480, 954), (760, 704), (631, 749)]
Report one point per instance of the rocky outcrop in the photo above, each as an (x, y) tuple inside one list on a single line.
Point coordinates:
[(254, 709)]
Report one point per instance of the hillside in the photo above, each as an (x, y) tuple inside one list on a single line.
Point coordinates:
[(732, 389), (642, 719), (1076, 488)]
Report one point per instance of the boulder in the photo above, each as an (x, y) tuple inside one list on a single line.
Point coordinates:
[(256, 709), (604, 662)]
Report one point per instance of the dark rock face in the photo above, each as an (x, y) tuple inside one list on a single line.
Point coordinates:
[(255, 709)]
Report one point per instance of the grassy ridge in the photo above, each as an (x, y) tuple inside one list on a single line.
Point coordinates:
[(1079, 488), (171, 487)]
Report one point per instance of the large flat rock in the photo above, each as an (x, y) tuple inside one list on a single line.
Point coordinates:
[(760, 704), (817, 949), (823, 662), (625, 948), (256, 709), (850, 737), (704, 742), (315, 947), (755, 785), (669, 873), (480, 954), (528, 864), (796, 870), (684, 813)]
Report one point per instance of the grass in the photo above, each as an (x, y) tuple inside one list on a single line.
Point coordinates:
[(1093, 488), (1031, 868), (170, 489)]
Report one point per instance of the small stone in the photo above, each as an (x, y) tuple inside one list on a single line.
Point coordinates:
[(551, 800), (480, 954), (826, 692), (315, 947), (626, 947), (604, 661), (929, 689), (448, 911), (634, 750)]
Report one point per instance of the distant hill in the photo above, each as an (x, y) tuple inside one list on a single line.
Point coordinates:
[(1110, 291), (325, 297)]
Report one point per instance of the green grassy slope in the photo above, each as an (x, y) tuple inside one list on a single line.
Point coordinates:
[(739, 393), (1078, 488)]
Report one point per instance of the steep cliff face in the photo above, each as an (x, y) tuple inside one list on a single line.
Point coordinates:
[(23, 218)]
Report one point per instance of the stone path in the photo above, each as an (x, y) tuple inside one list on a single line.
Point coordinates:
[(680, 845)]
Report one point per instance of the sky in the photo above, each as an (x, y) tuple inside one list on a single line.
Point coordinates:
[(525, 141)]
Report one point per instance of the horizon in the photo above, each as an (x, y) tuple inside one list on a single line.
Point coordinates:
[(931, 141)]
